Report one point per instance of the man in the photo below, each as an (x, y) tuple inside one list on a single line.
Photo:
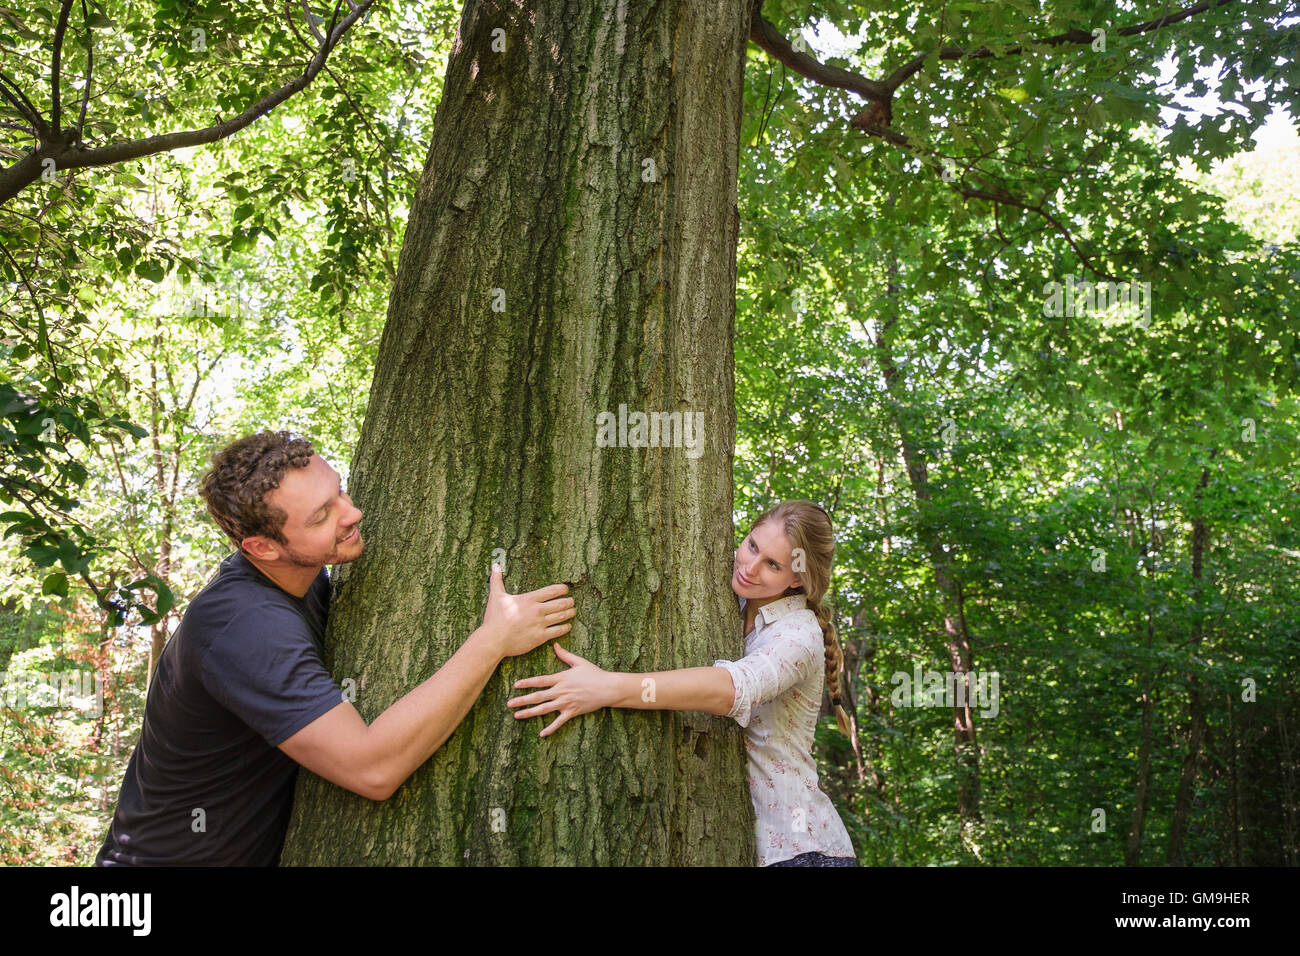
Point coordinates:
[(241, 697)]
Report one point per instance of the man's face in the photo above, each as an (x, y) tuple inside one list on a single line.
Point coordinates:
[(323, 525)]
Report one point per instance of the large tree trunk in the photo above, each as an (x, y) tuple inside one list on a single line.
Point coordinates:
[(570, 249)]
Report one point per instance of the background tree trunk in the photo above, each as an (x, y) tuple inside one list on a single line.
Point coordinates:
[(956, 635), (571, 247), (1198, 726)]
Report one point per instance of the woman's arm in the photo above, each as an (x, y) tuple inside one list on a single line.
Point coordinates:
[(706, 689), (584, 687)]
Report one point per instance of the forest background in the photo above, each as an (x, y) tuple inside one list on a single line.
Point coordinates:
[(1099, 507)]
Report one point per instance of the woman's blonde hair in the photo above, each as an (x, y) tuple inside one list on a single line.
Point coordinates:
[(812, 537)]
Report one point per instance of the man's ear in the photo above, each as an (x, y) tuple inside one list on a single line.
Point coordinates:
[(264, 549)]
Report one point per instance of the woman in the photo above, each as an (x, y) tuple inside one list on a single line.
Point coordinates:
[(782, 570)]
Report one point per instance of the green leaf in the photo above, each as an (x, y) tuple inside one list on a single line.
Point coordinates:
[(151, 269), (43, 555), (56, 583)]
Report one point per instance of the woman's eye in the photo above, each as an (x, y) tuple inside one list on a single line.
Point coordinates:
[(775, 565)]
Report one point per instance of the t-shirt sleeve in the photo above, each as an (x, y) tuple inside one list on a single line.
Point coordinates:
[(789, 658), (265, 668)]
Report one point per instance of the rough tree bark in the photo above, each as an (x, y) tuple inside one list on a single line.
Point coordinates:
[(570, 249)]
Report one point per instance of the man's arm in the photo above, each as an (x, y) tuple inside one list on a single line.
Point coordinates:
[(375, 760)]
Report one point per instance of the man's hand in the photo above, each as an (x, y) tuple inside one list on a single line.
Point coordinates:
[(517, 623)]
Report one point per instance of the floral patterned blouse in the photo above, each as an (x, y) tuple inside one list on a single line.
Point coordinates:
[(779, 685)]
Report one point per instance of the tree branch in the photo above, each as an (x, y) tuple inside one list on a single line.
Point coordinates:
[(994, 194), (59, 29), (1000, 195), (23, 104), (42, 325), (764, 35), (379, 140), (90, 65), (875, 119), (306, 15), (913, 66), (66, 155)]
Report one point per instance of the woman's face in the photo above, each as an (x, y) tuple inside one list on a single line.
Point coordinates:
[(762, 568)]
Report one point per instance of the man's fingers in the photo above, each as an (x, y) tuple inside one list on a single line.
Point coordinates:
[(558, 630), (555, 617), (549, 592)]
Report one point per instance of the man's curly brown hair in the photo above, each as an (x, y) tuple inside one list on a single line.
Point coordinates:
[(242, 474)]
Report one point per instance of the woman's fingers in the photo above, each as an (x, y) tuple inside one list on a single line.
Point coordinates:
[(534, 698), (568, 657), (540, 680), (545, 707), (555, 723)]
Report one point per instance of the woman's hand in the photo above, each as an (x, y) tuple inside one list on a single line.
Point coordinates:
[(584, 687)]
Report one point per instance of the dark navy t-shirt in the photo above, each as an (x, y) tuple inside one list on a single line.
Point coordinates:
[(243, 672)]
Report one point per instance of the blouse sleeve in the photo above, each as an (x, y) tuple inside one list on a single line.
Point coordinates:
[(788, 659)]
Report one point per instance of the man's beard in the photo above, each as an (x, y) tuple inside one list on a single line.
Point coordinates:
[(306, 561)]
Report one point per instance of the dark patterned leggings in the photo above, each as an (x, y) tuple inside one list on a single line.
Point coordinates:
[(817, 859)]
